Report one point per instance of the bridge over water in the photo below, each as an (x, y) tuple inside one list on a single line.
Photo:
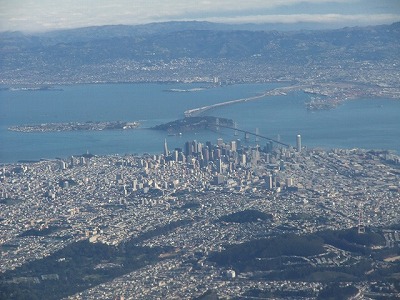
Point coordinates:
[(247, 133), (274, 92)]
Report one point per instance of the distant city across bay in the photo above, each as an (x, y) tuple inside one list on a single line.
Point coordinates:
[(361, 123)]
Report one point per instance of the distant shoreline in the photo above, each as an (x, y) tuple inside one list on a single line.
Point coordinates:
[(35, 87), (327, 95), (75, 126)]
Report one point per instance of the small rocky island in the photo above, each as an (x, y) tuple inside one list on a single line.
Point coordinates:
[(194, 123), (75, 126)]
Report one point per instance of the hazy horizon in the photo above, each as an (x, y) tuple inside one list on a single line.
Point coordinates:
[(32, 16)]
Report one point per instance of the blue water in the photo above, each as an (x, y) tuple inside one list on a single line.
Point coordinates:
[(372, 124)]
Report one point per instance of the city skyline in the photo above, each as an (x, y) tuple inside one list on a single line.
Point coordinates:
[(33, 16)]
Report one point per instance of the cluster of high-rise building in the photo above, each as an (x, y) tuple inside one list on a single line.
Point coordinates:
[(222, 158)]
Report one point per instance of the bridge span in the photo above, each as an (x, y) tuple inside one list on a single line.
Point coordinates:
[(246, 132), (274, 92)]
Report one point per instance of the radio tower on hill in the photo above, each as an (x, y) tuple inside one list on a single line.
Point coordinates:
[(361, 225)]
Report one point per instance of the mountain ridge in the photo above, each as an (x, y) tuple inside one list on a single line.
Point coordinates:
[(181, 51)]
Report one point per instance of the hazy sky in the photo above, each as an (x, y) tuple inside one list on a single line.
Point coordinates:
[(40, 15)]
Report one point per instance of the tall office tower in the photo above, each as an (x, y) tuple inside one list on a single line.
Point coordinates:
[(233, 146), (282, 165), (235, 157), (211, 157), (269, 147), (199, 147), (217, 153), (206, 154), (220, 142), (63, 166), (175, 155), (165, 148), (188, 149), (134, 184), (200, 156), (269, 182), (219, 166), (72, 164), (243, 160), (298, 143), (194, 146), (255, 155), (238, 144), (231, 166), (181, 157)]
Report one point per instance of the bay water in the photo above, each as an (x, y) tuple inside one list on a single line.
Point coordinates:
[(362, 123)]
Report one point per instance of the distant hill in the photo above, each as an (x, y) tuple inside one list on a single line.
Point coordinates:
[(180, 50), (310, 257)]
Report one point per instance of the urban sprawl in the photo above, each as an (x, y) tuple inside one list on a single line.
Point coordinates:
[(108, 199)]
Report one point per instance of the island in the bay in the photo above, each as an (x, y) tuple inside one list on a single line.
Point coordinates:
[(74, 126), (194, 123)]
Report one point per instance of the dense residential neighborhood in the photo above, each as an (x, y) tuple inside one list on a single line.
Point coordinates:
[(48, 205)]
